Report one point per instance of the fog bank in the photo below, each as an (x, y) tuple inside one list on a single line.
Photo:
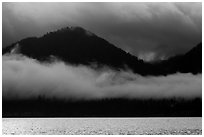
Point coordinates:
[(23, 77)]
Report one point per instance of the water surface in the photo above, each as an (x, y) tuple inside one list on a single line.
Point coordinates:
[(102, 125)]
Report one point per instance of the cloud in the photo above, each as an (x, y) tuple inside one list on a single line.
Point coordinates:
[(24, 77), (164, 29)]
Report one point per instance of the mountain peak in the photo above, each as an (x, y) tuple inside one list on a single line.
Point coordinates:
[(76, 45), (73, 29)]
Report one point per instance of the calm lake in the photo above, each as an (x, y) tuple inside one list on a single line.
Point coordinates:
[(105, 126)]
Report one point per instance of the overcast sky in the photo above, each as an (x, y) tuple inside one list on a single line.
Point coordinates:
[(148, 30)]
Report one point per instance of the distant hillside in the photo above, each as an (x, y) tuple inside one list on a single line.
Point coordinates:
[(76, 45), (189, 62)]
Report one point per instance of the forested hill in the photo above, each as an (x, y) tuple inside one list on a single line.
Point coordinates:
[(76, 45)]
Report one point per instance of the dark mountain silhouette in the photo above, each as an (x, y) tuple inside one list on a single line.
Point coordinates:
[(189, 62), (76, 45)]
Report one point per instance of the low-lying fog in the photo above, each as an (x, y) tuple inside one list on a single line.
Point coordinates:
[(24, 77)]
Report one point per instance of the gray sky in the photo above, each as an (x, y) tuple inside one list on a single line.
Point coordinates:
[(148, 30)]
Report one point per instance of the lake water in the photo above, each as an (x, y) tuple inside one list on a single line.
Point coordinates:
[(95, 126)]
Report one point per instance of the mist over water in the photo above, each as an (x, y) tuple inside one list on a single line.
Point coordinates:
[(24, 78)]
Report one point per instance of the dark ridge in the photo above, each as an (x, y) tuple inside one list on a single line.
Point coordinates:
[(191, 62), (42, 107), (76, 45)]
